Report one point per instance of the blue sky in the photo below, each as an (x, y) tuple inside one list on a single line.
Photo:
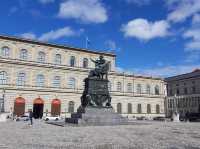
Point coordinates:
[(149, 37)]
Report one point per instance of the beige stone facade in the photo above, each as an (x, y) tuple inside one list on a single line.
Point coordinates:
[(31, 69)]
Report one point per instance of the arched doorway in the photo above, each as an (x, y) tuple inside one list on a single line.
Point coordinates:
[(38, 106), (55, 107), (19, 106)]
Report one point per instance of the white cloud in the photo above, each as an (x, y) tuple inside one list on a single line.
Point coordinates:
[(144, 30), (194, 36), (46, 1), (28, 35), (164, 71), (88, 11), (139, 2), (196, 19), (111, 45), (182, 9), (56, 34), (53, 34)]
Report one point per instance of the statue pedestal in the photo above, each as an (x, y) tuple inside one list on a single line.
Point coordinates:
[(176, 117), (97, 117)]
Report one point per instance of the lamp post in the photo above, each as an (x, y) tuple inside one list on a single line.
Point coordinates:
[(3, 100)]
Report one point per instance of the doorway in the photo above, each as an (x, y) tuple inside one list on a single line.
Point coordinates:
[(55, 107), (19, 106), (38, 107)]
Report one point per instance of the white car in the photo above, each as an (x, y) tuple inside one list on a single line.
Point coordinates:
[(52, 118)]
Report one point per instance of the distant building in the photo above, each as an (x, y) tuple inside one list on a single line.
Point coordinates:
[(48, 78), (183, 93)]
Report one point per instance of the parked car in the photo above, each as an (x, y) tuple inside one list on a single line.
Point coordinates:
[(52, 118), (194, 117), (22, 118), (159, 118)]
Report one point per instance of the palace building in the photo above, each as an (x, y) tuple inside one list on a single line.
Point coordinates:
[(183, 93), (48, 78)]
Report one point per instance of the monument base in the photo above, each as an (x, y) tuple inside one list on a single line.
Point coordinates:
[(96, 117)]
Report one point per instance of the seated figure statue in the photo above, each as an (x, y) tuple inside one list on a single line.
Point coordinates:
[(101, 68)]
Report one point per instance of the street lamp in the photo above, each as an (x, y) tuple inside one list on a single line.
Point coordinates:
[(3, 100)]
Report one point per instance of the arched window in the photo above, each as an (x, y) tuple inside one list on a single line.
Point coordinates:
[(58, 59), (148, 108), (21, 79), (56, 81), (139, 108), (85, 63), (40, 80), (109, 86), (139, 89), (41, 57), (72, 61), (119, 108), (3, 77), (129, 108), (71, 107), (129, 87), (5, 51), (23, 54), (119, 86), (157, 92), (72, 83), (157, 109), (148, 89)]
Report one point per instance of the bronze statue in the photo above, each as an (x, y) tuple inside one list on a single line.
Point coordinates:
[(101, 68)]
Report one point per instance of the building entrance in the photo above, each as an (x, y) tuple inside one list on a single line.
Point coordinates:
[(55, 107), (38, 107), (19, 106)]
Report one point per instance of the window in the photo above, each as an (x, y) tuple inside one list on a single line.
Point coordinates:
[(185, 91), (139, 108), (129, 108), (3, 77), (5, 52), (109, 86), (119, 86), (157, 92), (41, 57), (72, 83), (71, 107), (148, 89), (58, 59), (139, 89), (40, 80), (56, 81), (72, 61), (177, 91), (193, 90), (129, 87), (119, 108), (23, 54), (157, 109), (21, 79), (148, 108), (85, 63)]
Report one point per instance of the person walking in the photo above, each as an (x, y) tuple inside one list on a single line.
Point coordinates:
[(31, 117)]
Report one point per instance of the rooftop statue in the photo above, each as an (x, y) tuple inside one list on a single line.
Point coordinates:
[(101, 68)]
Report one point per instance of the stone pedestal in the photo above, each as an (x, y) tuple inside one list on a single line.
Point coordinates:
[(96, 117), (3, 117), (176, 117)]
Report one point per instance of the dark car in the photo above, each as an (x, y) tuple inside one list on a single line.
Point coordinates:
[(194, 117), (159, 118)]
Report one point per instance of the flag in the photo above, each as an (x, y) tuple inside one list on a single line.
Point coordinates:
[(87, 42)]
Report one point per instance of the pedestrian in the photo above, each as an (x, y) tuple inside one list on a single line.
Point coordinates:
[(31, 117)]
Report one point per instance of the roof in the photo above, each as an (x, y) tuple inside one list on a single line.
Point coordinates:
[(193, 74), (54, 45)]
